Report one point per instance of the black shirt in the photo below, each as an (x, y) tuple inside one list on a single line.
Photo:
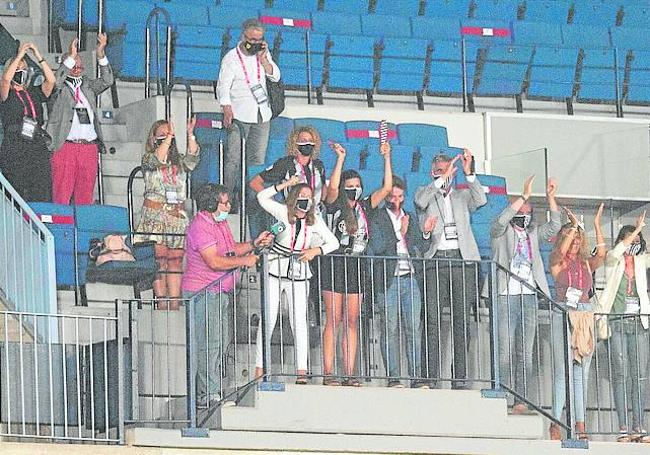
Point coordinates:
[(286, 167), (12, 110), (357, 242)]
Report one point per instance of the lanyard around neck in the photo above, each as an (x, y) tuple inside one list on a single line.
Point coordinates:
[(243, 67)]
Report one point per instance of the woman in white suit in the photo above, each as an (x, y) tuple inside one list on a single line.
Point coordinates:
[(625, 300)]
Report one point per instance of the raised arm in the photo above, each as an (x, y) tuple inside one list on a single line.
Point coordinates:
[(380, 194), (270, 68), (550, 229), (10, 71), (557, 257), (191, 158), (335, 178), (500, 223), (601, 248), (477, 194), (275, 208)]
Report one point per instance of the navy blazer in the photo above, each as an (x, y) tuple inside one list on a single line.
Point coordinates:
[(383, 242)]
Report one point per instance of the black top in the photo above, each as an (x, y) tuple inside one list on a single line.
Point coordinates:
[(336, 223), (12, 110), (286, 167)]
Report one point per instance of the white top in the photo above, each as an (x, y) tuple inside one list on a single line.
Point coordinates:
[(404, 266), (81, 131), (317, 235), (448, 215), (521, 265), (233, 90)]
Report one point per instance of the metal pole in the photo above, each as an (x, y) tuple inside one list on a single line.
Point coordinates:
[(463, 64), (243, 165), (120, 374), (494, 332), (266, 344), (100, 178), (546, 164), (308, 57), (50, 25), (129, 197), (80, 5), (619, 102), (168, 71), (191, 363), (147, 62), (100, 29)]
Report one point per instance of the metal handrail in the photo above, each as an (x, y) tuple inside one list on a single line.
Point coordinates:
[(129, 196), (160, 88)]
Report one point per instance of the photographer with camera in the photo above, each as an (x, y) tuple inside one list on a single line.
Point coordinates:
[(24, 156), (305, 236)]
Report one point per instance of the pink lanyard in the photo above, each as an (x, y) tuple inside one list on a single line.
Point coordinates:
[(259, 68), (31, 104), (365, 219), (580, 276), (293, 236), (312, 185), (166, 174)]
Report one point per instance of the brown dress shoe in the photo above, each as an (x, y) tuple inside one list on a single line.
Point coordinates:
[(555, 432)]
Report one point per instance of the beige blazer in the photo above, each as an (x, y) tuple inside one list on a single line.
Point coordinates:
[(614, 269)]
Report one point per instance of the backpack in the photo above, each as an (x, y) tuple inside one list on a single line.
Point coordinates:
[(112, 248)]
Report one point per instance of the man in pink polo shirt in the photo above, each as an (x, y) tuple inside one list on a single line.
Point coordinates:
[(211, 272)]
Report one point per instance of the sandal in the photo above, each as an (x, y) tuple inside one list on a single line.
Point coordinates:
[(641, 436), (351, 382), (302, 379), (623, 436), (331, 380)]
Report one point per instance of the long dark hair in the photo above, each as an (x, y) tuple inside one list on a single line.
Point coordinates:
[(627, 230), (349, 217)]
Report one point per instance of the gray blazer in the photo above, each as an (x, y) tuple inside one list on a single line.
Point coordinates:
[(463, 202), (62, 103), (504, 243)]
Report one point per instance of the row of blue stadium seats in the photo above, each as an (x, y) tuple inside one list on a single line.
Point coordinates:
[(633, 13)]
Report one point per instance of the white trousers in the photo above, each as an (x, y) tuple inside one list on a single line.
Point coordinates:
[(296, 293)]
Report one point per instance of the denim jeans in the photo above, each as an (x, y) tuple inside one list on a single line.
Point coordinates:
[(517, 315), (212, 338), (400, 308), (629, 369), (257, 140), (580, 370)]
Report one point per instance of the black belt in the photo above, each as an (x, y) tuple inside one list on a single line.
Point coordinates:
[(83, 141), (455, 253)]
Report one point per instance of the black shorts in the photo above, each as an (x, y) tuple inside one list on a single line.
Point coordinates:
[(343, 275)]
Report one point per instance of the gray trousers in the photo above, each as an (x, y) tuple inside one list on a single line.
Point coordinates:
[(629, 370), (257, 139)]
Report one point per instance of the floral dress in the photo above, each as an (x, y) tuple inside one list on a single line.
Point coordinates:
[(165, 186)]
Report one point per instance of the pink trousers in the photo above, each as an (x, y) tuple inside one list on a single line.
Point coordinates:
[(74, 172)]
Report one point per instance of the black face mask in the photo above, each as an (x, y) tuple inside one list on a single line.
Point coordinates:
[(522, 221), (634, 249), (354, 194), (390, 206), (306, 149), (159, 140), (303, 204), (75, 81), (252, 48), (20, 77)]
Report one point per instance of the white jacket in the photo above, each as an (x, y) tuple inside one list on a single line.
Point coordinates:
[(318, 235), (614, 269)]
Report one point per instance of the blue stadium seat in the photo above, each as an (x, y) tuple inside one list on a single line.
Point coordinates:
[(401, 159), (292, 58), (384, 25), (328, 129), (625, 38), (504, 10), (297, 5), (325, 22), (366, 131), (285, 14), (403, 65), (585, 35), (372, 181), (252, 4), (414, 180), (420, 134), (598, 84), (281, 128), (636, 15), (638, 91), (435, 28), (526, 32), (447, 8), (59, 219), (204, 73), (405, 7), (182, 13), (207, 170), (351, 63), (553, 73), (486, 31), (209, 129), (122, 12), (222, 16), (353, 156), (596, 13), (202, 36), (346, 6), (553, 11), (504, 70), (446, 74), (275, 150)]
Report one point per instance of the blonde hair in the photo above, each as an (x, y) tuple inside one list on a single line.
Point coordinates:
[(292, 140), (583, 253)]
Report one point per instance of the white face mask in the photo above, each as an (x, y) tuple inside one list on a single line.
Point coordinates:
[(220, 216)]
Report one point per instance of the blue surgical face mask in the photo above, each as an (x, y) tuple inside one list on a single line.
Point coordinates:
[(220, 216)]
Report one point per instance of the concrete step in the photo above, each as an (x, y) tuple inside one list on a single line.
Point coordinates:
[(292, 410), (116, 166), (115, 133), (124, 151), (20, 27), (117, 186)]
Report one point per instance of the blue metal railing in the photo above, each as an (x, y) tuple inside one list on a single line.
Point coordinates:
[(27, 267)]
